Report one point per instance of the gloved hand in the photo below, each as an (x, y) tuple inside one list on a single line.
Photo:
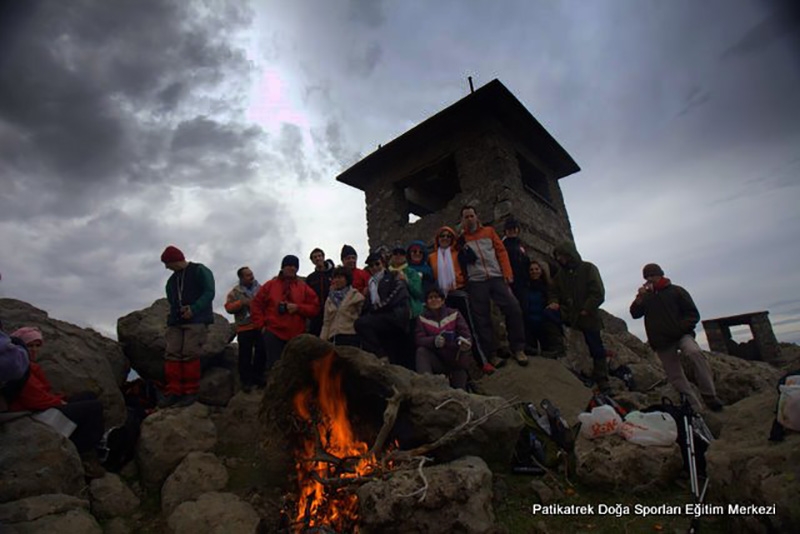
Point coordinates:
[(438, 341), (464, 344)]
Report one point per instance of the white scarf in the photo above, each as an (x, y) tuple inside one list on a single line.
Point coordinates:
[(447, 273), (373, 288)]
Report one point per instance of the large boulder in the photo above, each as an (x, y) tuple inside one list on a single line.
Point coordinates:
[(33, 508), (541, 379), (745, 468), (37, 460), (430, 409), (198, 473), (141, 334), (216, 386), (214, 513), (614, 464), (111, 497), (458, 499), (235, 423), (76, 521), (75, 359), (166, 438)]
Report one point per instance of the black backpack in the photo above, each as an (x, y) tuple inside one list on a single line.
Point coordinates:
[(546, 440), (778, 432)]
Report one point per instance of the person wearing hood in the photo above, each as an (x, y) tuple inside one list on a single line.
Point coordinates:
[(342, 308), (489, 274), (670, 317), (281, 308), (83, 409), (517, 257), (443, 340), (252, 353), (418, 260), (449, 277), (190, 291), (361, 277), (383, 325), (320, 282), (577, 293)]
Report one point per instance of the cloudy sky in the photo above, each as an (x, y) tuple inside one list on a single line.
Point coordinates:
[(220, 127)]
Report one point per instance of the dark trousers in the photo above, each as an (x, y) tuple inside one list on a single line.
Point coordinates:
[(346, 340), (496, 289), (252, 357), (460, 300), (435, 362), (381, 335), (598, 354), (315, 323), (545, 335), (274, 347), (86, 412)]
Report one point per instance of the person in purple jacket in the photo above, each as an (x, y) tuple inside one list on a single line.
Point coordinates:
[(443, 340)]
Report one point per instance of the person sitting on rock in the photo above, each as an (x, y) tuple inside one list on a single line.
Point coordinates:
[(443, 340), (342, 308), (190, 291), (349, 259), (542, 326), (670, 317), (83, 409), (577, 293), (281, 308), (252, 354), (383, 325)]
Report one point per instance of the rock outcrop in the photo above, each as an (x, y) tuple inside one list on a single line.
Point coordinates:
[(198, 473), (214, 513), (141, 334), (458, 499)]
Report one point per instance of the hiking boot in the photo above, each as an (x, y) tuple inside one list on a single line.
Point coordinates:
[(168, 400), (713, 404), (521, 358), (91, 465), (488, 368), (497, 362), (186, 400)]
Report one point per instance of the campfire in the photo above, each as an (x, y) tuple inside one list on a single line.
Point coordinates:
[(331, 461)]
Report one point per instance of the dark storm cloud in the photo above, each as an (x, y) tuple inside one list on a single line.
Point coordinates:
[(85, 86)]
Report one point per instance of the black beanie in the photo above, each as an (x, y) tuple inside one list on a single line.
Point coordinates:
[(290, 260), (347, 250), (652, 269)]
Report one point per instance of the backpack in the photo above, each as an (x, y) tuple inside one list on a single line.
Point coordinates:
[(601, 399), (702, 437), (546, 440), (778, 431)]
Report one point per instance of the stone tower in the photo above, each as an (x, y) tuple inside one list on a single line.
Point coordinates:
[(485, 150)]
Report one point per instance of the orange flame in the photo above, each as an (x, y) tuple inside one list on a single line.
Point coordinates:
[(319, 504)]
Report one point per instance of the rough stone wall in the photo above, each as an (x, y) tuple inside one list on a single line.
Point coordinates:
[(490, 179)]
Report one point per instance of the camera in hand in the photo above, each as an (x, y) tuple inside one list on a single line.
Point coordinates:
[(282, 308)]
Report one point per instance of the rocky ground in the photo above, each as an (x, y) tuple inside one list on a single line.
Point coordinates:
[(222, 464)]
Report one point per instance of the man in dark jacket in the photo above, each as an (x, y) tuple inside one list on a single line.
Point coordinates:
[(670, 317), (320, 282), (577, 293), (520, 262), (383, 325), (190, 291)]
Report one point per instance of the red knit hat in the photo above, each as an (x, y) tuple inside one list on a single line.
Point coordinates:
[(172, 254)]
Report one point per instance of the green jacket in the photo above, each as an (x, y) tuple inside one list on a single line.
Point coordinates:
[(578, 287), (415, 294)]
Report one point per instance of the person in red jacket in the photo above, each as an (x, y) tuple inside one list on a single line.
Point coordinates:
[(83, 409), (281, 308), (360, 276)]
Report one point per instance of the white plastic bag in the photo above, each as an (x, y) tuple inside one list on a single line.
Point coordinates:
[(789, 403), (650, 429), (602, 421)]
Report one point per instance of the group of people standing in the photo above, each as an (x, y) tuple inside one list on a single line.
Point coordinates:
[(426, 311)]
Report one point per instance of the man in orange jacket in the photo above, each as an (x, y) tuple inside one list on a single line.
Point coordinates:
[(281, 308), (488, 272)]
